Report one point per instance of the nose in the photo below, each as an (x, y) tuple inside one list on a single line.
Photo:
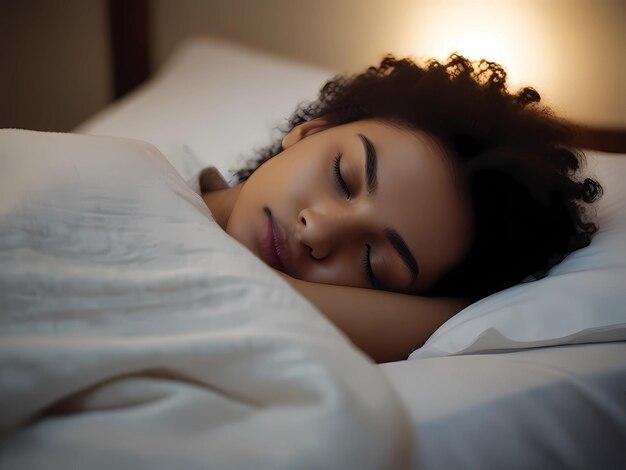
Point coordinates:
[(324, 231)]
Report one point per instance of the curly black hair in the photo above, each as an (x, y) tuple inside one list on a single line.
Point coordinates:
[(516, 158)]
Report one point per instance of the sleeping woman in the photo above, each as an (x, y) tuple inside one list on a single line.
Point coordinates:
[(405, 193)]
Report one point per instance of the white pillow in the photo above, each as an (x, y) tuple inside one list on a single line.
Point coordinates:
[(193, 107), (582, 300), (213, 103)]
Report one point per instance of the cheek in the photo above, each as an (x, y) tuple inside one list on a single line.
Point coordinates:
[(344, 270), (293, 180), (245, 223), (275, 185), (306, 176), (242, 229), (290, 183)]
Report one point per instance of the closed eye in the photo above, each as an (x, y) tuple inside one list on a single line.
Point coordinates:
[(369, 272), (338, 177)]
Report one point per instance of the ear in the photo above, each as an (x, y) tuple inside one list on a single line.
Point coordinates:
[(305, 129)]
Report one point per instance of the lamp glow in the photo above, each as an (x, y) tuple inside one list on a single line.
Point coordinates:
[(505, 32)]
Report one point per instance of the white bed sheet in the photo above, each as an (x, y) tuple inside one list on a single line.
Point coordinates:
[(557, 407), (136, 334)]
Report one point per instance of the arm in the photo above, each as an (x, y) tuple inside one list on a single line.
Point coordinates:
[(385, 325)]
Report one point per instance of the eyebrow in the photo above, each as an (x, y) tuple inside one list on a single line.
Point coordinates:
[(371, 164), (397, 242), (403, 250)]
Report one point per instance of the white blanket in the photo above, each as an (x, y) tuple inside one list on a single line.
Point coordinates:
[(135, 333)]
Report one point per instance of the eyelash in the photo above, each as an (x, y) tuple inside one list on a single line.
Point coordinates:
[(367, 266), (340, 181)]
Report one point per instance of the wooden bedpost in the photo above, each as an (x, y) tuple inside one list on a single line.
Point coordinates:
[(596, 138), (129, 30)]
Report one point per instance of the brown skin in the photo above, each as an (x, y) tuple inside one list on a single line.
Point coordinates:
[(387, 326), (327, 231)]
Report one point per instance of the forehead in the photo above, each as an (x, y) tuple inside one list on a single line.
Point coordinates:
[(419, 193)]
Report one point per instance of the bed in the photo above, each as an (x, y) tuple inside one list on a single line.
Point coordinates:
[(532, 377)]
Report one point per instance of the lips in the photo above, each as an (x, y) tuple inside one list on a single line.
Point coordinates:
[(274, 250)]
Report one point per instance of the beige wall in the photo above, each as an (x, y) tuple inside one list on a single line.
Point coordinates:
[(343, 35), (55, 62), (55, 53), (573, 51)]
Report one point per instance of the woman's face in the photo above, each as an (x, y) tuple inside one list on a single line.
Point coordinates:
[(364, 204)]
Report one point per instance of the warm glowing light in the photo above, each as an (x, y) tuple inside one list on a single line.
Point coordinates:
[(571, 51), (502, 32)]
